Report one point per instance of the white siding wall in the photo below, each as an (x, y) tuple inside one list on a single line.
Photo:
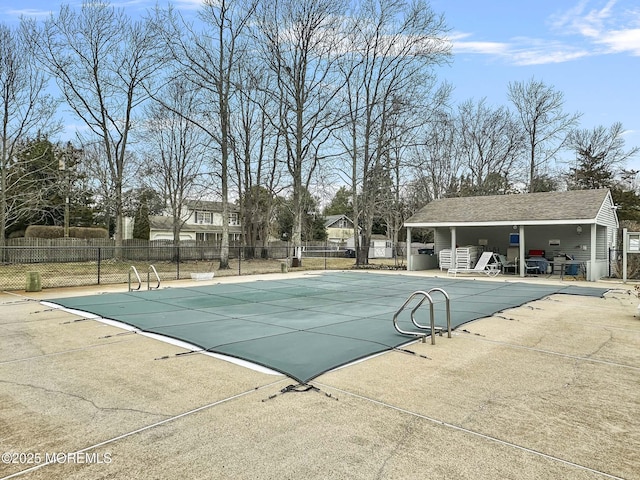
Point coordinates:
[(608, 219), (169, 236), (536, 238), (606, 215), (442, 239)]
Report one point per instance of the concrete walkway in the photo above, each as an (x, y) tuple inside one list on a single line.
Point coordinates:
[(547, 390)]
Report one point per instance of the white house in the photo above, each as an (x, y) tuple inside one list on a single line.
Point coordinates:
[(339, 228), (202, 222)]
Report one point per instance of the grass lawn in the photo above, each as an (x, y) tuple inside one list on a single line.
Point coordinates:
[(13, 276)]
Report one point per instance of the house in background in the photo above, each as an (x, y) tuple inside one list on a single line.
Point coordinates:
[(339, 228), (203, 223), (580, 224), (340, 231)]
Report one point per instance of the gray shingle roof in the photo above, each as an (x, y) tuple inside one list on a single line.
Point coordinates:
[(554, 207), (329, 220)]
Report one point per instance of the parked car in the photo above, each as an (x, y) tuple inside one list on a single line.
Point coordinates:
[(350, 253)]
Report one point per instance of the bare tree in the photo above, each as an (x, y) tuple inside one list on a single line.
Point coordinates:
[(26, 110), (299, 41), (103, 63), (94, 167), (405, 133), (392, 48), (208, 58), (436, 164), (433, 162), (540, 110), (490, 144), (174, 159), (258, 173), (390, 206), (600, 154)]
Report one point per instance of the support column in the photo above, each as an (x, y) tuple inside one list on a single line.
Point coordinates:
[(453, 247), (409, 259), (592, 263), (521, 250), (625, 247)]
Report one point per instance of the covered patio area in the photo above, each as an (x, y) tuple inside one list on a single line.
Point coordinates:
[(559, 228)]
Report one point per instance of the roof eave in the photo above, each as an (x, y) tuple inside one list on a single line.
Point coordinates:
[(573, 221)]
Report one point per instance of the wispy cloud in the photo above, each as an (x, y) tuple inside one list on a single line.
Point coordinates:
[(461, 45), (519, 51), (178, 4), (582, 21), (188, 4), (580, 31), (26, 12), (544, 55), (620, 41), (610, 29)]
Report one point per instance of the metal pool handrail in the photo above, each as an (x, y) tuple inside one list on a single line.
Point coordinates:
[(155, 272), (425, 296), (134, 270), (447, 305), (431, 327)]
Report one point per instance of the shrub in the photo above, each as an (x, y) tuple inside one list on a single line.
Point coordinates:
[(88, 232), (47, 231)]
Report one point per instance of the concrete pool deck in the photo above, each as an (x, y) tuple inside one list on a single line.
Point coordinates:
[(550, 389)]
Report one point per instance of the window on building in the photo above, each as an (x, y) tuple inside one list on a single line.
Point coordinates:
[(204, 217), (233, 219), (208, 237)]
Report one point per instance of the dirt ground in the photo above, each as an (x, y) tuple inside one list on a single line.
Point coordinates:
[(547, 390)]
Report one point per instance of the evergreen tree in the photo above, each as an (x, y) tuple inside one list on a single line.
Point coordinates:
[(141, 227), (545, 183), (312, 221), (340, 204), (34, 192), (628, 203), (599, 152), (592, 171)]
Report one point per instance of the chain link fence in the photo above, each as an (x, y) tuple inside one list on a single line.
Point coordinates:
[(616, 262), (78, 265)]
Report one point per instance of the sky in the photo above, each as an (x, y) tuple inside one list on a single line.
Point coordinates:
[(587, 49)]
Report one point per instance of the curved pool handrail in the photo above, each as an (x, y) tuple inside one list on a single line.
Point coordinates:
[(447, 306), (425, 296), (432, 323), (135, 271), (155, 272)]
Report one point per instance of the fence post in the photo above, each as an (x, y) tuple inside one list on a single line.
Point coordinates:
[(239, 261), (625, 247), (325, 254), (178, 262), (99, 259)]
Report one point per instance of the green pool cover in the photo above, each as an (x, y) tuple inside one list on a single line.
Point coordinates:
[(303, 327)]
